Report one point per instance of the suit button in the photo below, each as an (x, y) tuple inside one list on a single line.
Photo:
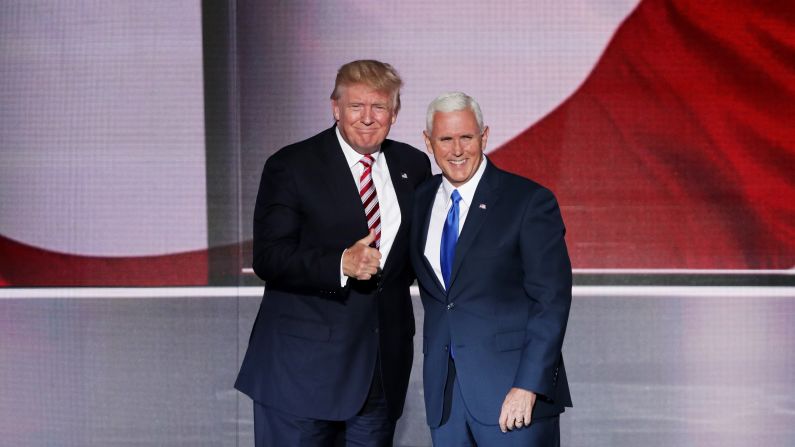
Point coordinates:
[(450, 306), (446, 348), (375, 331)]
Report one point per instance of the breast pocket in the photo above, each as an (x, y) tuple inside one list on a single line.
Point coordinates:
[(486, 254)]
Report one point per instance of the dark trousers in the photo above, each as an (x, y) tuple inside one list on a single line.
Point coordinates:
[(370, 427), (459, 428)]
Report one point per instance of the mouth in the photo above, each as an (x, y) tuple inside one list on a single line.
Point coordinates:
[(457, 162)]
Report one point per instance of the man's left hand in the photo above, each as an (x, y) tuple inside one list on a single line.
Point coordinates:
[(517, 409)]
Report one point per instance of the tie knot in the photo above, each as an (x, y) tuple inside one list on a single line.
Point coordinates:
[(367, 160), (455, 196)]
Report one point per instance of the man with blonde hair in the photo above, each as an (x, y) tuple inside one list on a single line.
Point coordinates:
[(331, 349)]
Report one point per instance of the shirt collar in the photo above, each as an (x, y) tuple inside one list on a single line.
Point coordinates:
[(351, 155), (467, 190)]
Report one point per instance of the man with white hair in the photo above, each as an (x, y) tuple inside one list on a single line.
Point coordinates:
[(495, 280)]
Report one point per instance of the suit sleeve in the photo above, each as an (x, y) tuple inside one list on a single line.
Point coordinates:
[(547, 283), (424, 165), (280, 256)]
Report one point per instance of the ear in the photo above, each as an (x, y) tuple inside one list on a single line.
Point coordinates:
[(335, 110), (394, 118), (485, 137), (427, 139)]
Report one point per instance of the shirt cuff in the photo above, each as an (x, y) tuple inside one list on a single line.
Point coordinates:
[(343, 278)]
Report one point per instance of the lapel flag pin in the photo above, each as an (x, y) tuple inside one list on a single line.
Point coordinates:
[(482, 206), (404, 175)]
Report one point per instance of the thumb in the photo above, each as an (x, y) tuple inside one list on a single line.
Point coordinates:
[(367, 240)]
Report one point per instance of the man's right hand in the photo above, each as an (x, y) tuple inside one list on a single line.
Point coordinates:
[(361, 261)]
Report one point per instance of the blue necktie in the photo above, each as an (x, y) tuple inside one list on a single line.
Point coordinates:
[(449, 239)]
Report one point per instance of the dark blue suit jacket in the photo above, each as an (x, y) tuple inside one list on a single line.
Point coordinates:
[(508, 304), (313, 347)]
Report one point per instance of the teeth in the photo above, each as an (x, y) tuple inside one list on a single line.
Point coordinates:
[(457, 162)]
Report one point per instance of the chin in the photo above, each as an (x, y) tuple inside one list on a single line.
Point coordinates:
[(458, 175)]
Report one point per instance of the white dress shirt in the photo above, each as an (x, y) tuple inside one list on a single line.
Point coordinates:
[(441, 206), (388, 205)]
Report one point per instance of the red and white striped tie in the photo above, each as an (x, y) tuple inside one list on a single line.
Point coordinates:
[(370, 198)]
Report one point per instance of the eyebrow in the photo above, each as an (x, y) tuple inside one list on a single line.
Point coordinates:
[(450, 137)]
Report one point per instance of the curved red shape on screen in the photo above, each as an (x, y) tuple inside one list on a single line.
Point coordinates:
[(678, 151), (25, 265)]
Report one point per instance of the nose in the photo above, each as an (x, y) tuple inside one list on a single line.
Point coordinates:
[(458, 147), (367, 116)]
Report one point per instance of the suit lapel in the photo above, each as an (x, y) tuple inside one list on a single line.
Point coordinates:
[(485, 196), (426, 275), (345, 191), (404, 192)]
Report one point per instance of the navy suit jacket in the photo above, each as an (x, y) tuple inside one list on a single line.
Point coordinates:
[(313, 347), (508, 303)]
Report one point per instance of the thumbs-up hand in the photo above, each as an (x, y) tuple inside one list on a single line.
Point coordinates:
[(367, 240), (360, 260)]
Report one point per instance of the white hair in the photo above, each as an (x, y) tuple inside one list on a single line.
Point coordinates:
[(453, 102)]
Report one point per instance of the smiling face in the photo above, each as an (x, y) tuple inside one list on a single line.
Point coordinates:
[(457, 144), (364, 116)]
